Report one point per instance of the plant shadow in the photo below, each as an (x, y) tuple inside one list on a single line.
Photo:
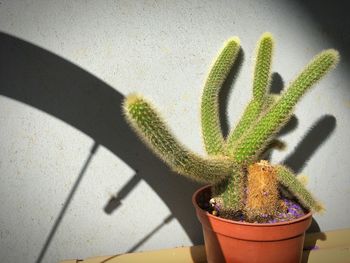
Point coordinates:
[(314, 138), (310, 244), (45, 81)]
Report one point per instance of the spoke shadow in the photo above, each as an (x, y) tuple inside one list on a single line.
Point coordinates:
[(166, 221), (45, 81), (36, 77), (66, 204), (116, 201)]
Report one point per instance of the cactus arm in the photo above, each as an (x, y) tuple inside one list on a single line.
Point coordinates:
[(262, 69), (212, 134), (289, 181), (230, 192), (257, 138), (149, 126), (261, 82), (250, 115)]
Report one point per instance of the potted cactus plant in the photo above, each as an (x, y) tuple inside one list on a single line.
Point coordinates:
[(251, 211)]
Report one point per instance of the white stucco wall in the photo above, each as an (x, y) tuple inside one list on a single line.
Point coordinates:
[(161, 49)]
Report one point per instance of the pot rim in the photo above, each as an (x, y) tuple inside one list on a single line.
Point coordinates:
[(194, 202)]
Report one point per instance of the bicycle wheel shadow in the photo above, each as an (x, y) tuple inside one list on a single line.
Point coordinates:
[(36, 77), (45, 81)]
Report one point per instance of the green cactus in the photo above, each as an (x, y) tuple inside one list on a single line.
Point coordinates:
[(212, 135), (260, 86), (290, 182), (251, 145), (148, 124), (229, 193), (226, 165)]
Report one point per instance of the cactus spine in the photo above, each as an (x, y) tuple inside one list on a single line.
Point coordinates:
[(290, 181), (260, 85), (212, 135), (230, 192), (149, 126), (228, 160), (254, 141)]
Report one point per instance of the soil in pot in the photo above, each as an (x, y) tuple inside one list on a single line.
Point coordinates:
[(239, 241)]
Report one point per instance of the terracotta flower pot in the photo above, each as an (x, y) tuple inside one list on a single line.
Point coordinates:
[(233, 241)]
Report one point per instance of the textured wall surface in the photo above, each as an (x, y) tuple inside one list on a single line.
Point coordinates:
[(76, 182)]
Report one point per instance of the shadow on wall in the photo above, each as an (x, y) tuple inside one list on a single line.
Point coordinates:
[(332, 17), (47, 82)]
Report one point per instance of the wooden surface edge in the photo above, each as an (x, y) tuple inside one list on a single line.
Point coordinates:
[(323, 247)]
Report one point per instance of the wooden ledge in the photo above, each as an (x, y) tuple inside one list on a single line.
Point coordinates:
[(324, 247)]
